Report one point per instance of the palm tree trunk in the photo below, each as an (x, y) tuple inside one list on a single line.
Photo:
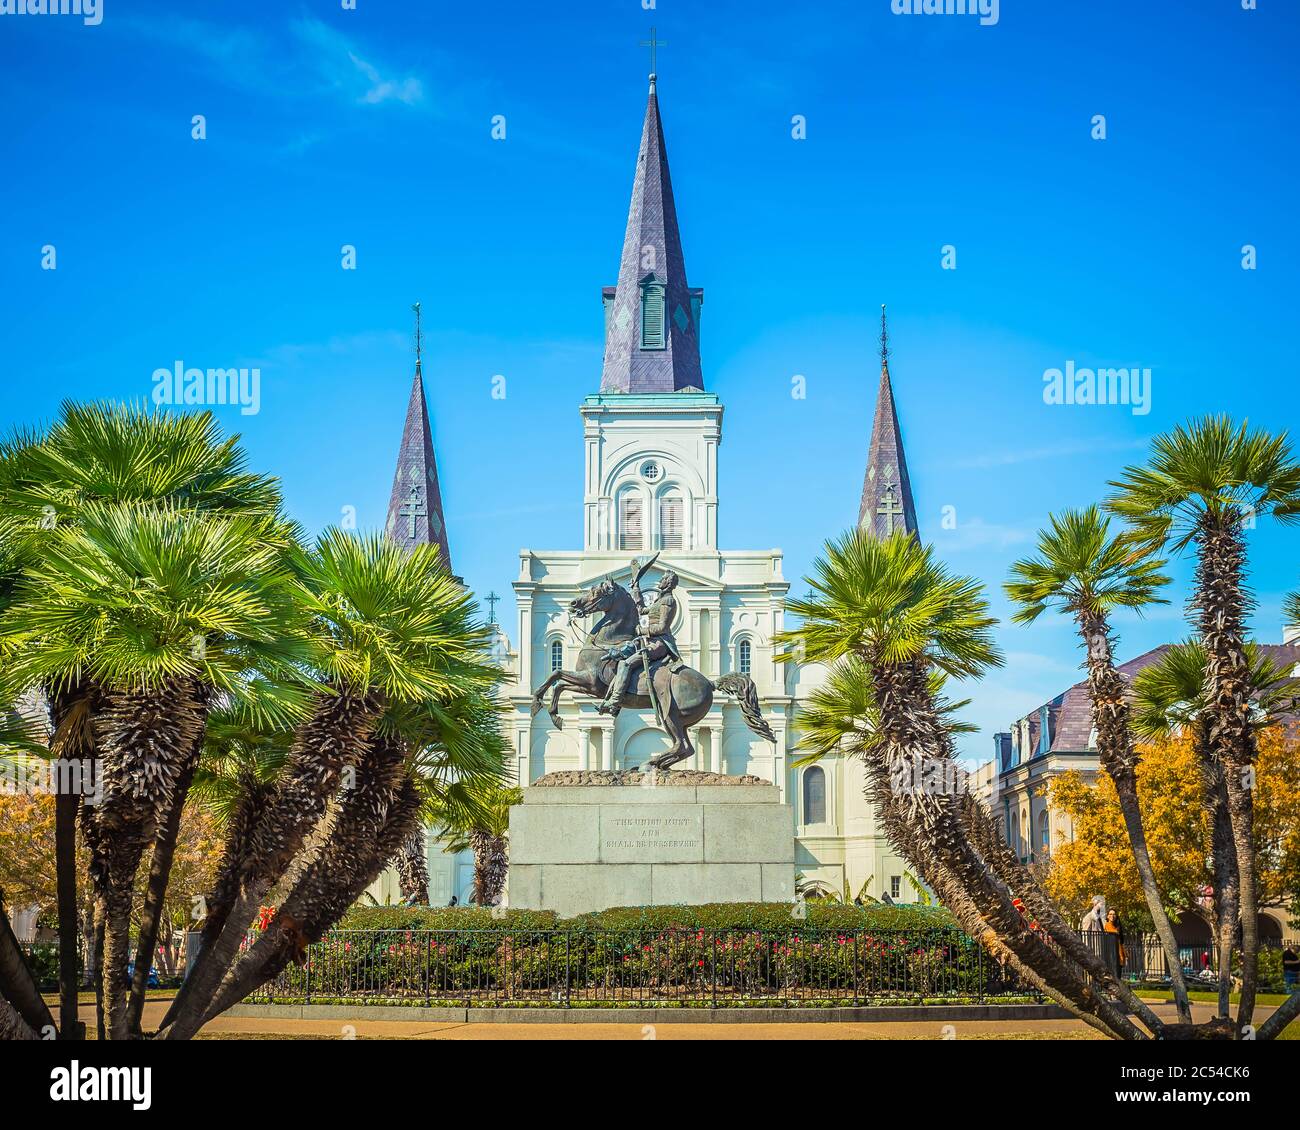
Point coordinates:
[(160, 868), (413, 869), (929, 830), (334, 736), (1222, 603), (368, 826), (124, 857), (491, 864), (65, 880), (1119, 757), (18, 986), (70, 741), (1223, 865)]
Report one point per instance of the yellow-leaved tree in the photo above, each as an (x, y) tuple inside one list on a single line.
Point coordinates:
[(1096, 861)]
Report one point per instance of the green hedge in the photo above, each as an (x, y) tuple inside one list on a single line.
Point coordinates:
[(711, 916), (445, 918)]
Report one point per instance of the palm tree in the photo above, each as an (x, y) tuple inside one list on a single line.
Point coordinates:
[(104, 453), (486, 832), (1169, 699), (160, 608), (888, 603), (1084, 572), (1204, 485), (392, 628)]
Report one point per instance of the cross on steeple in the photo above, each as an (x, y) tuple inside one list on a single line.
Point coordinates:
[(413, 509), (419, 338), (492, 599), (890, 508), (654, 44), (884, 337)]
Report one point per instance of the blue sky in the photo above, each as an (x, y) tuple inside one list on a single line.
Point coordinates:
[(372, 127)]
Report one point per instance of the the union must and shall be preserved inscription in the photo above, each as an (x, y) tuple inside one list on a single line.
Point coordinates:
[(626, 842)]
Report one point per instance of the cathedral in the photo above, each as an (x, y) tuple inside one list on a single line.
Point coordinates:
[(651, 436)]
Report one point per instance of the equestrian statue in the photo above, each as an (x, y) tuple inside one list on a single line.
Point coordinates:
[(630, 658)]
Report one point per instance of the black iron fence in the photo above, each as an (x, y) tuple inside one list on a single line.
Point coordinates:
[(671, 966), (1141, 958)]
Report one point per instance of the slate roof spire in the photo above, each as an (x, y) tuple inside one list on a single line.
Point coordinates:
[(663, 354), (886, 489), (415, 507)]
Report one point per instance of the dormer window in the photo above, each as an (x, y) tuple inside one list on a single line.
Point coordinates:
[(654, 331)]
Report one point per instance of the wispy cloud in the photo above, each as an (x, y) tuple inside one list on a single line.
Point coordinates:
[(975, 533), (339, 63), (303, 59), (1011, 456)]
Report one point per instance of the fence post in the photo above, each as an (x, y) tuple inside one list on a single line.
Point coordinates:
[(308, 974), (568, 955), (854, 955)]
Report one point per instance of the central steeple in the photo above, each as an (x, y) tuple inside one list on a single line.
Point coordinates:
[(652, 317)]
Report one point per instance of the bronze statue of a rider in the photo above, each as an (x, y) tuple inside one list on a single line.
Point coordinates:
[(653, 642)]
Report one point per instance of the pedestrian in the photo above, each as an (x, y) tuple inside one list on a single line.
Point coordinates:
[(1291, 967), (1095, 917), (1114, 949)]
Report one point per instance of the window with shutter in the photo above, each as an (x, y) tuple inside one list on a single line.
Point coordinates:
[(672, 526), (631, 523), (652, 316)]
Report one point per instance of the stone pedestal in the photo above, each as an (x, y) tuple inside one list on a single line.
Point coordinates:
[(575, 848)]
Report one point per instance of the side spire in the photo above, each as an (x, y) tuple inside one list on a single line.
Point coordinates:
[(652, 317), (887, 503), (415, 506)]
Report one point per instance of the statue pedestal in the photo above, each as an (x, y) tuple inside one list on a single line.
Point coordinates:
[(619, 841)]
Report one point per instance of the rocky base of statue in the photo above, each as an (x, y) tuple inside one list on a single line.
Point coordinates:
[(585, 840), (642, 779)]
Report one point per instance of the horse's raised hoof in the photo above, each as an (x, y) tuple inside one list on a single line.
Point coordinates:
[(559, 725), (537, 705)]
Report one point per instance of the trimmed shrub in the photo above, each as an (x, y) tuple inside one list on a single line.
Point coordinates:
[(445, 918)]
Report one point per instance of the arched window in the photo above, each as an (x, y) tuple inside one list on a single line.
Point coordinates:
[(653, 325), (1045, 831), (744, 657), (814, 795), (672, 522), (631, 521), (557, 654)]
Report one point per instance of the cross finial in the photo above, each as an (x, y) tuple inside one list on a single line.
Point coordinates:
[(419, 338), (884, 337), (654, 44), (492, 599)]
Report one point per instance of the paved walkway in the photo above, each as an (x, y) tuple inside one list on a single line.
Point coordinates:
[(252, 1028)]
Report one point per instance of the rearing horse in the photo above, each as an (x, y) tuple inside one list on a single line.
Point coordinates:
[(684, 695)]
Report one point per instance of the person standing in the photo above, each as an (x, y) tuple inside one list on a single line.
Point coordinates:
[(1113, 943)]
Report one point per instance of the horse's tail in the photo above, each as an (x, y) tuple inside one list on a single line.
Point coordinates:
[(742, 689)]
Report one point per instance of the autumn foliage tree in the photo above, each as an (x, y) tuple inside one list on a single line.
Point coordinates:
[(1095, 860)]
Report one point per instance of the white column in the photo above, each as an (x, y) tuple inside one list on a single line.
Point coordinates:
[(584, 747)]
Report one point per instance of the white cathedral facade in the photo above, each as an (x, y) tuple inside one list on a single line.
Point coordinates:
[(649, 447)]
